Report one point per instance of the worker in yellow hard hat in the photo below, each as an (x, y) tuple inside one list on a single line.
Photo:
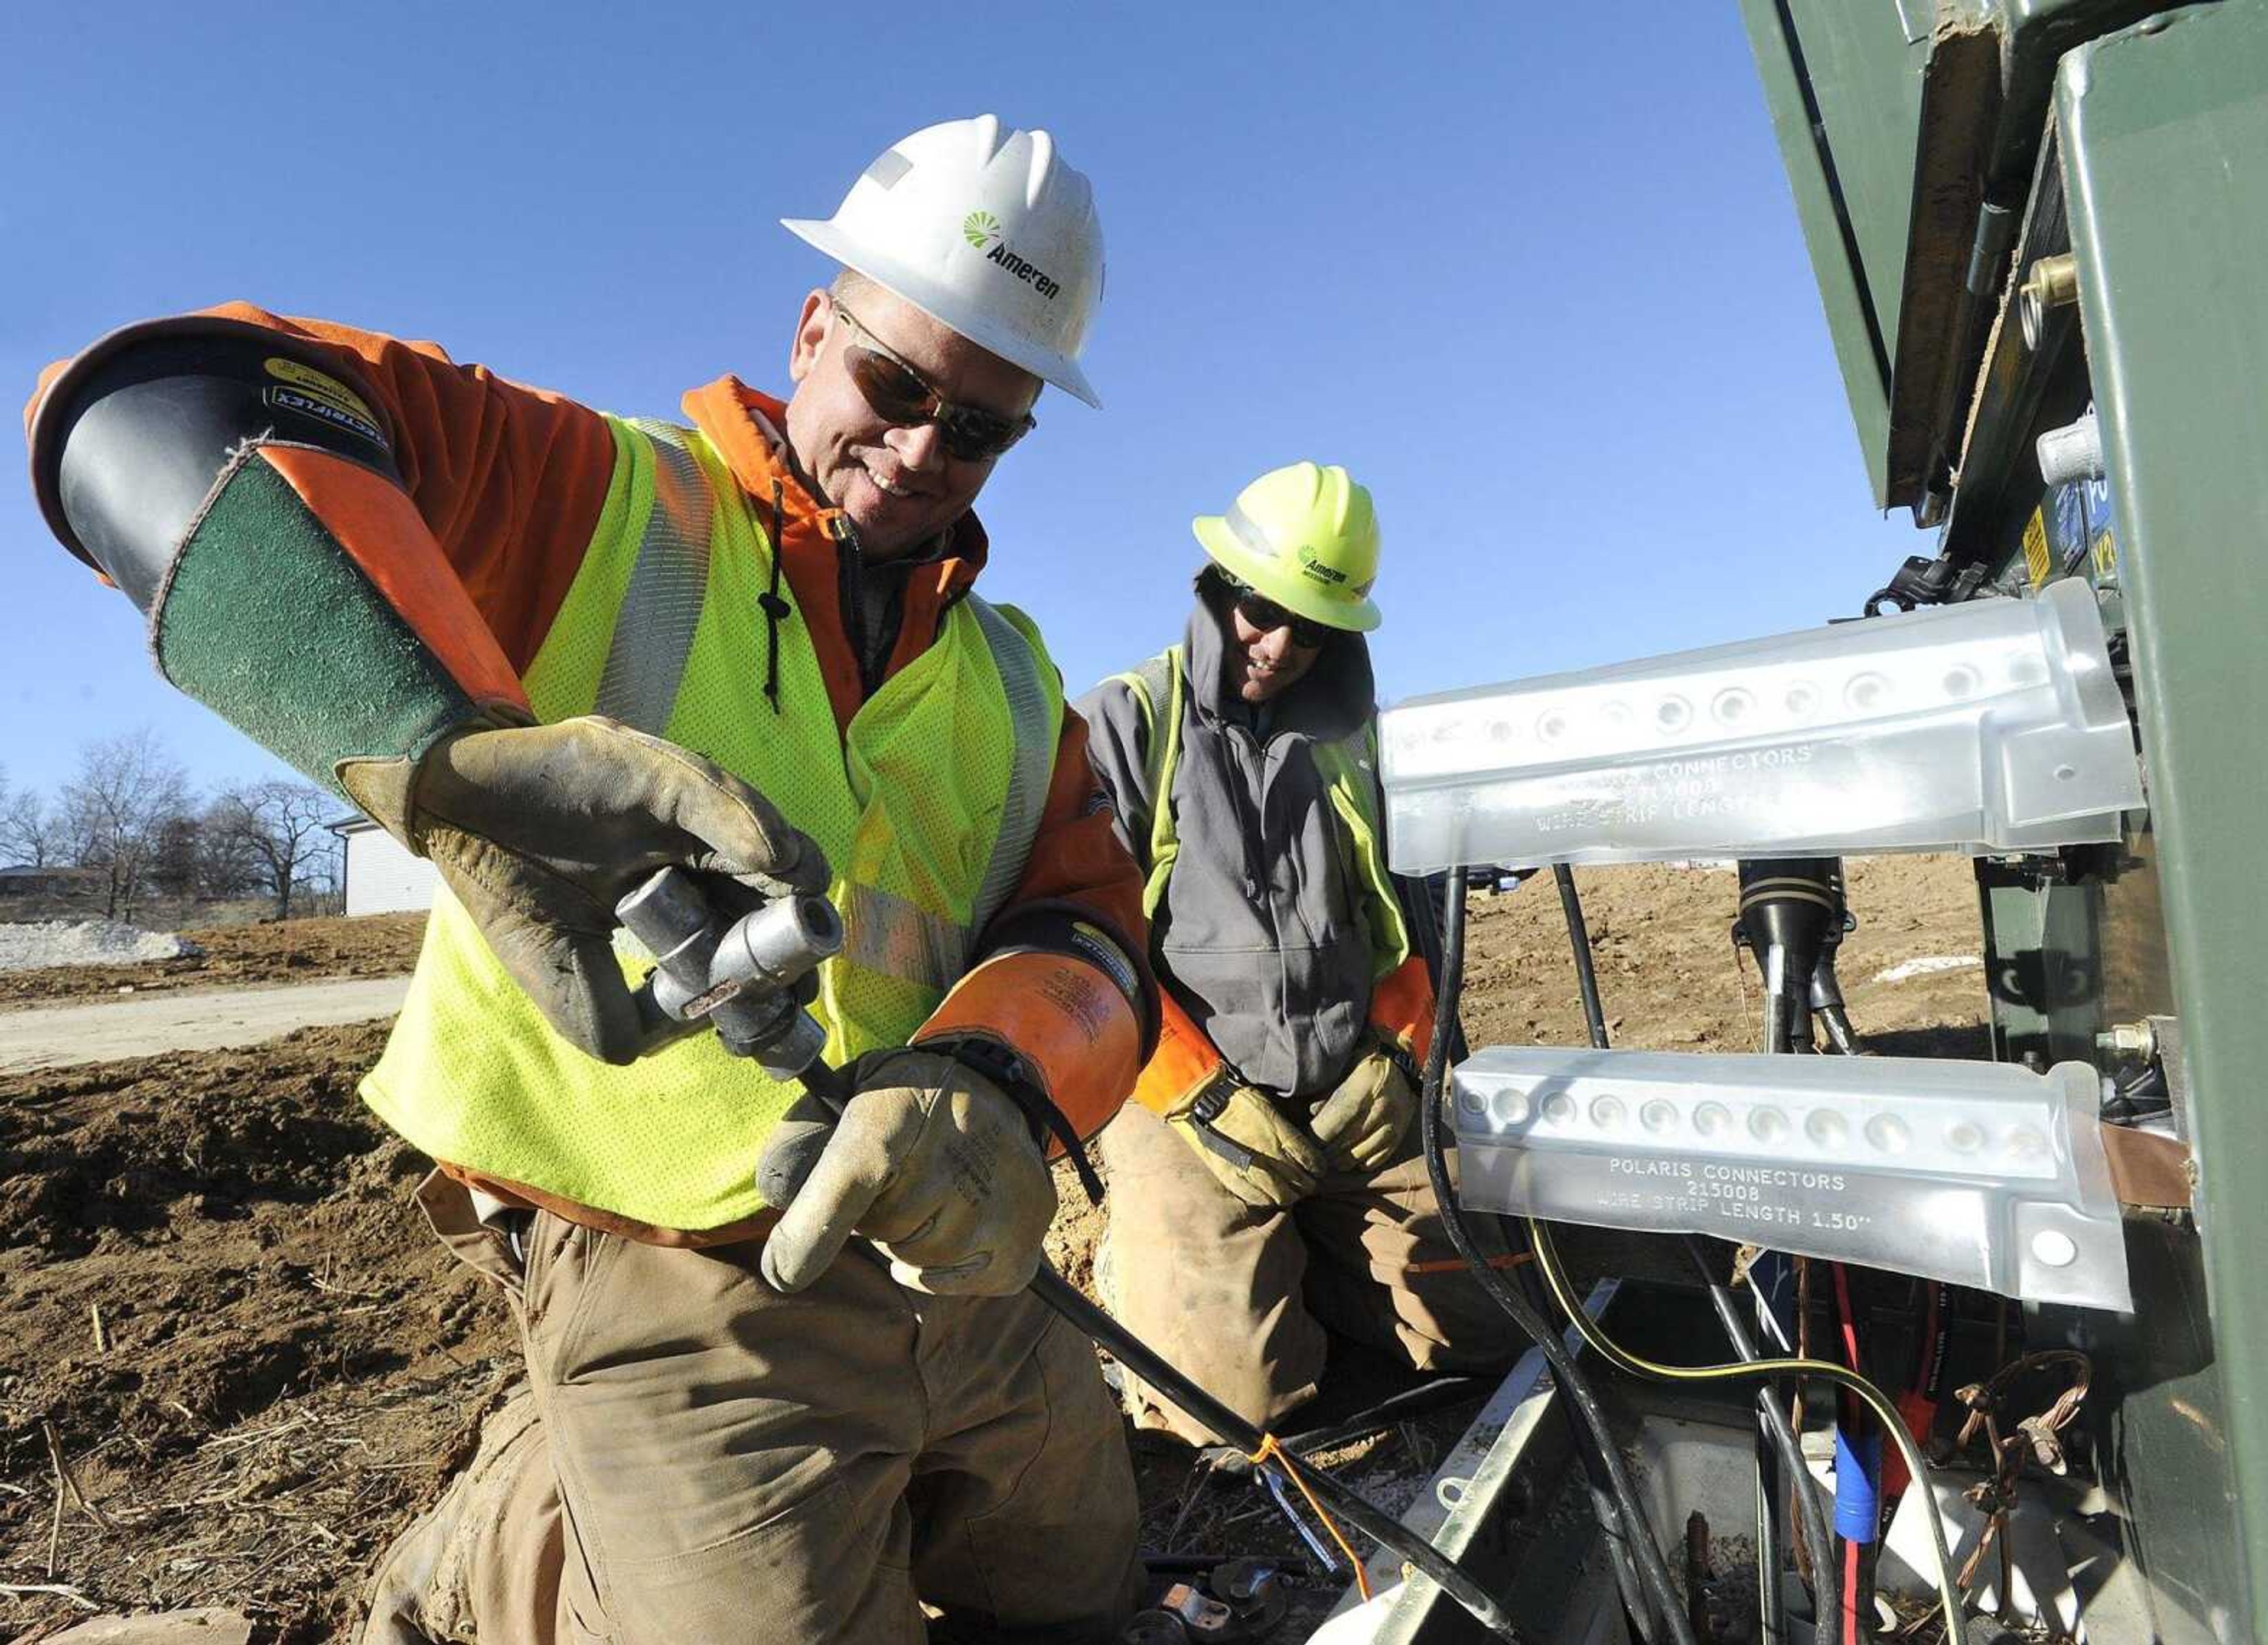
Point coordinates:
[(1266, 1187)]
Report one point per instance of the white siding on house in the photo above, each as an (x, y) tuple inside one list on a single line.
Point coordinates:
[(382, 877)]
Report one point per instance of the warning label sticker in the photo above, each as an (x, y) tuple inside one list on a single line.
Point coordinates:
[(316, 394), (2036, 550)]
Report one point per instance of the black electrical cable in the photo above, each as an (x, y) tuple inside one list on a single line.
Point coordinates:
[(1380, 1527), (1840, 1033), (1569, 1378), (1587, 978), (1602, 1502), (1818, 1542), (1395, 1407), (825, 1081)]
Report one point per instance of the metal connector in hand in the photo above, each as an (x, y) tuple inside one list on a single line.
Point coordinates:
[(741, 979)]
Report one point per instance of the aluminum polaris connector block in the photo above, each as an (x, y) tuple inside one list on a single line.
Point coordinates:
[(1976, 1173), (1993, 725)]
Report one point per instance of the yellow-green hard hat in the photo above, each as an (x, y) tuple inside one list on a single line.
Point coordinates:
[(1306, 537)]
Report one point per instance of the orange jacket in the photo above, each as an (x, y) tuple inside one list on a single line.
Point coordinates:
[(511, 480), (1401, 1016)]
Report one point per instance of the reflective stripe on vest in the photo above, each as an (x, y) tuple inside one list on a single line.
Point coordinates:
[(1347, 766), (926, 808), (653, 631)]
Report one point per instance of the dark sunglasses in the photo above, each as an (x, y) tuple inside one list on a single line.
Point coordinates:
[(1266, 615), (898, 394)]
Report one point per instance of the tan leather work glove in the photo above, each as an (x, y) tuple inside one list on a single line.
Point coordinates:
[(540, 830), (931, 1161), (1362, 1123), (1260, 1154)]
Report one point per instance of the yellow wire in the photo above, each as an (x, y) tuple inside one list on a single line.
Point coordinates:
[(1271, 1450), (1547, 1264)]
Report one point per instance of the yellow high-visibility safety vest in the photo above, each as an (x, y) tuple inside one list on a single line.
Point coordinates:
[(926, 810), (1349, 768)]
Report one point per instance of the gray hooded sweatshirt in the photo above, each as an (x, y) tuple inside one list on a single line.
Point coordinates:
[(1262, 936)]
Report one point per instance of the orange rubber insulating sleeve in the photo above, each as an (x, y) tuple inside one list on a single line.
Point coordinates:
[(1185, 1059), (1401, 1007), (1070, 1022), (379, 527)]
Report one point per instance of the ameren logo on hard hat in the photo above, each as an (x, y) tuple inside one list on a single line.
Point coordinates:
[(1317, 570), (981, 229)]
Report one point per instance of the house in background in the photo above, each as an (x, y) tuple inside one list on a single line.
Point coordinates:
[(26, 881), (380, 875)]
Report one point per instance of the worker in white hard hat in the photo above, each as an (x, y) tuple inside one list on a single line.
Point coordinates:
[(783, 1383), (1267, 1193)]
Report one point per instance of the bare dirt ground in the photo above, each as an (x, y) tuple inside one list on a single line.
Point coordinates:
[(233, 1363)]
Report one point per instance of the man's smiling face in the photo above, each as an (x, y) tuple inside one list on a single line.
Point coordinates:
[(898, 486)]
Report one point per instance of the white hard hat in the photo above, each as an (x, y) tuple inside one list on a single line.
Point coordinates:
[(985, 230)]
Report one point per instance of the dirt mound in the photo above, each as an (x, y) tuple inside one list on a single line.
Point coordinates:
[(50, 943), (217, 1298), (1670, 980), (287, 1367), (287, 950), (125, 1145)]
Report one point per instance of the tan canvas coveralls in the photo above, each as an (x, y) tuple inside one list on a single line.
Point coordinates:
[(965, 1450), (1261, 939)]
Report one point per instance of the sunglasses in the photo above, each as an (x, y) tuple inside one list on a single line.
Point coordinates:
[(897, 393), (1266, 615)]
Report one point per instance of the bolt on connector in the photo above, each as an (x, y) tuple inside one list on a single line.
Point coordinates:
[(2128, 1042), (2052, 282)]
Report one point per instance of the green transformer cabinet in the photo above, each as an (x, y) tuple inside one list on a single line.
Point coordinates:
[(2037, 218)]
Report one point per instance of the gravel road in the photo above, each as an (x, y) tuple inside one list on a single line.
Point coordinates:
[(190, 1019)]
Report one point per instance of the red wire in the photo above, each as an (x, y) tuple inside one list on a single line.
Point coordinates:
[(1848, 1317)]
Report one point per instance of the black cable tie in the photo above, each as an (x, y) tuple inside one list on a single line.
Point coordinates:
[(1007, 1069)]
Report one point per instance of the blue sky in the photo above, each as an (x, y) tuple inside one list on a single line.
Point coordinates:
[(1532, 273)]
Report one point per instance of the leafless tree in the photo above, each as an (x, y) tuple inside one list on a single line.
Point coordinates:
[(176, 853), (117, 808), (31, 832), (226, 865), (275, 829)]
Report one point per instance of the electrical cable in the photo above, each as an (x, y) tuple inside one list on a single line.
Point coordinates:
[(1555, 1279), (1594, 1021), (1587, 976), (1579, 939), (825, 1081), (1603, 1506), (1380, 1527), (1633, 1529), (1811, 1518)]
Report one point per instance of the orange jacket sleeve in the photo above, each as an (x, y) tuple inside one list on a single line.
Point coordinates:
[(509, 479), (1402, 1008), (1400, 1016), (1185, 1059), (1076, 858), (1068, 984)]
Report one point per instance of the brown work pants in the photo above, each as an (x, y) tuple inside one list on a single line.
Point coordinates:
[(1245, 1299), (717, 1461)]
